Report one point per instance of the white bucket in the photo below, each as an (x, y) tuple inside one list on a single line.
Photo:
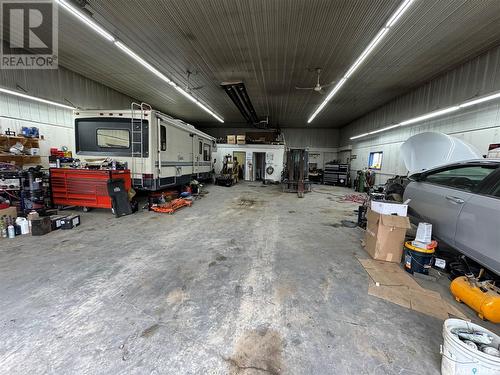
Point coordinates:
[(460, 359)]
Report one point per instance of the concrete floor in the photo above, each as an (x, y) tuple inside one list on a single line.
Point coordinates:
[(247, 281)]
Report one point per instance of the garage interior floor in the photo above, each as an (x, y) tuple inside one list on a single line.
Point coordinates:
[(249, 280)]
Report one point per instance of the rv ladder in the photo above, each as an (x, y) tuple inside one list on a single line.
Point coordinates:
[(137, 143)]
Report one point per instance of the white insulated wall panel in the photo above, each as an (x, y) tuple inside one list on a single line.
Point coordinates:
[(62, 86), (478, 125)]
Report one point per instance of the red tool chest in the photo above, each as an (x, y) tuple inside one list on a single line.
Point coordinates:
[(84, 187)]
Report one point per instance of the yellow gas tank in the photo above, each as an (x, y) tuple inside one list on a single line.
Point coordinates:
[(483, 297)]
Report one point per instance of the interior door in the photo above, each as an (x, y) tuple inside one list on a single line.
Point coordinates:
[(240, 156)]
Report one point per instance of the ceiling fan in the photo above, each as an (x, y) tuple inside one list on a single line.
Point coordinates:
[(319, 87), (188, 87)]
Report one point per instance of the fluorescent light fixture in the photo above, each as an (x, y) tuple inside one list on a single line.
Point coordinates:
[(87, 20), (100, 30), (385, 129), (35, 99), (141, 61), (430, 115), (336, 88), (163, 77), (433, 114), (359, 136), (398, 13), (375, 41), (201, 105), (373, 44), (327, 99), (480, 100)]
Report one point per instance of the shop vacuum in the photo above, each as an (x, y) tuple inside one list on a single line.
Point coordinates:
[(35, 191)]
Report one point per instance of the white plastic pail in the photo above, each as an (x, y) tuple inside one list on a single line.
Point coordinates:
[(460, 359)]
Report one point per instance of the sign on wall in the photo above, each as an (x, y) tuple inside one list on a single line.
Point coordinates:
[(28, 34)]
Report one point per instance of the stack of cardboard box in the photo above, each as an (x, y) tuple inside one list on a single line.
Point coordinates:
[(386, 230)]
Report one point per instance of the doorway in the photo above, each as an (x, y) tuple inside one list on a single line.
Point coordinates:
[(240, 157), (260, 165)]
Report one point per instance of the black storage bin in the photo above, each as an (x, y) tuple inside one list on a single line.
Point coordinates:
[(69, 222), (40, 226)]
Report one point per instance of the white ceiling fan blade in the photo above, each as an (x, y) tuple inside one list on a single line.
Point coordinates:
[(329, 84), (304, 88)]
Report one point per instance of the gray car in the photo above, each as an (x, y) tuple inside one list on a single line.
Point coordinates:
[(462, 202)]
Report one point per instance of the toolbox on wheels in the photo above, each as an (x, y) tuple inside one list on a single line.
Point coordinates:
[(85, 187)]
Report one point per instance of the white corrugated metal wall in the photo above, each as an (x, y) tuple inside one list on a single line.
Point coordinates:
[(61, 85), (479, 125)]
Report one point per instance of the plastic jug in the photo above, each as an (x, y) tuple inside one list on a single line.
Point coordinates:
[(23, 223)]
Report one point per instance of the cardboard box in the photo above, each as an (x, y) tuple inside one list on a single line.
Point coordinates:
[(241, 139), (385, 236), (40, 226), (8, 212), (33, 151), (389, 208), (231, 139)]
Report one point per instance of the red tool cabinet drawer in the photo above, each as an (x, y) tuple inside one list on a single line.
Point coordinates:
[(84, 187)]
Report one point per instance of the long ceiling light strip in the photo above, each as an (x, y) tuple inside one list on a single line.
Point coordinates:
[(198, 103), (143, 62), (120, 45), (34, 98), (432, 114), (373, 44), (87, 20), (480, 100)]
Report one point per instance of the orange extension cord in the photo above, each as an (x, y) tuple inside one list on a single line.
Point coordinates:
[(172, 206)]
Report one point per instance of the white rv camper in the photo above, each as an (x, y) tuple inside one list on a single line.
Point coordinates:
[(162, 152)]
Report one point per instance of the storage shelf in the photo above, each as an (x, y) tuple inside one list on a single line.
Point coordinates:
[(19, 156), (7, 141), (19, 138)]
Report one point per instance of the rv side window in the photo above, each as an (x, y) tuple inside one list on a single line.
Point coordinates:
[(206, 153), (163, 138), (201, 148), (113, 138)]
